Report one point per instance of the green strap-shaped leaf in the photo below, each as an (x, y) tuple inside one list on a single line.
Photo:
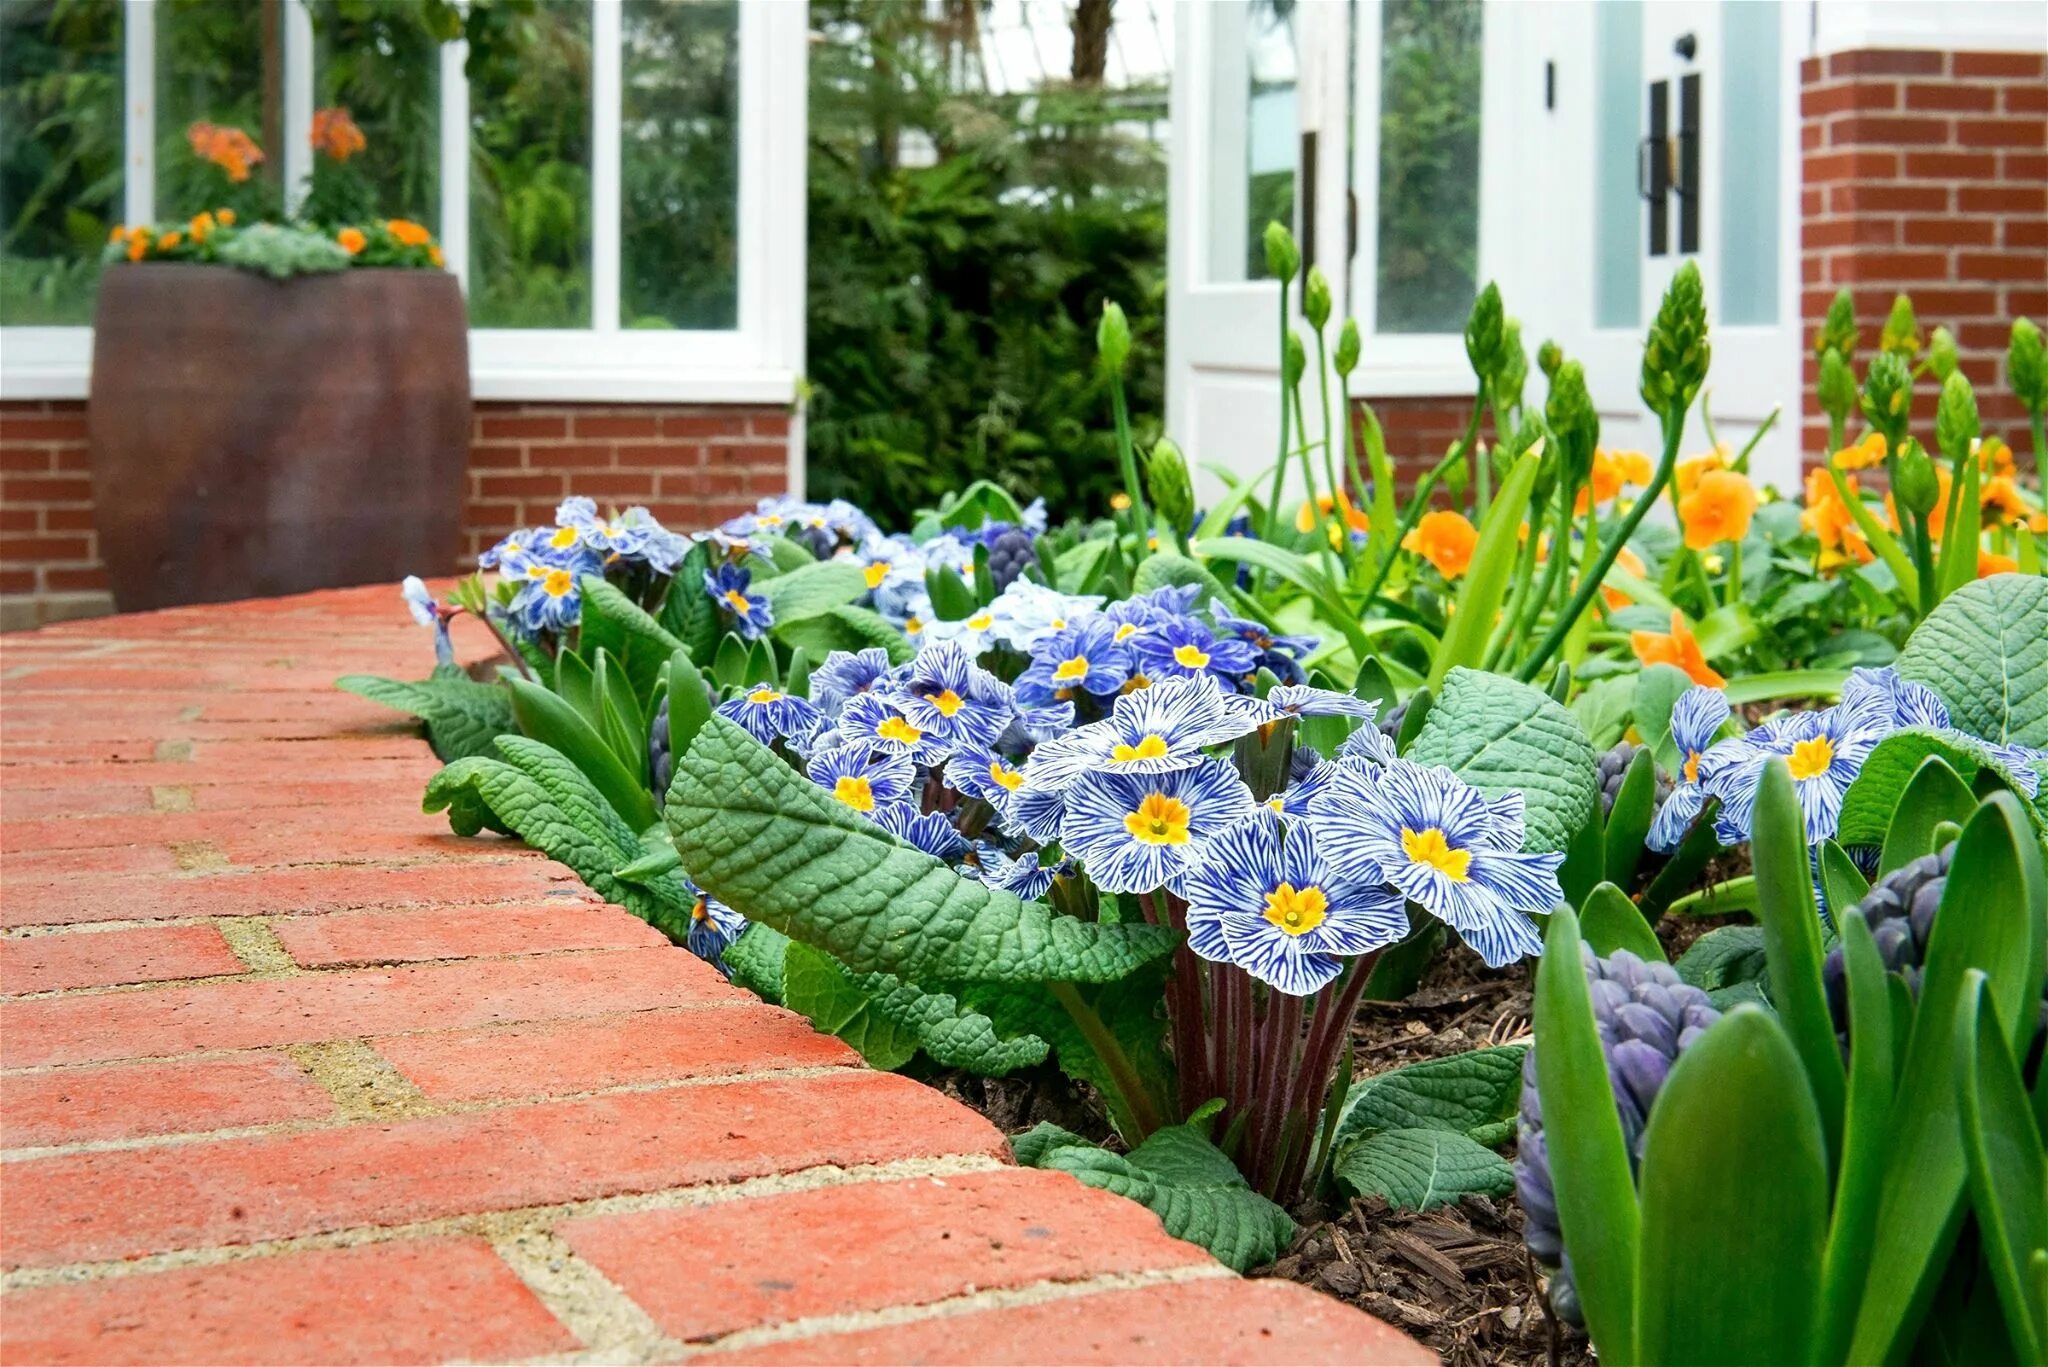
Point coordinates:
[(1502, 736), (2008, 1174), (1869, 807), (1486, 580), (614, 622), (548, 719), (1658, 689), (550, 805), (805, 593), (1873, 1054), (1609, 921), (1935, 796), (1629, 820), (771, 845), (1421, 1169), (1840, 879), (1985, 651), (1473, 1094), (687, 612), (1735, 1204), (463, 717)]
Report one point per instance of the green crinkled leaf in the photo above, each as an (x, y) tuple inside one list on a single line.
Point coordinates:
[(755, 961), (888, 1020), (462, 716), (1422, 1169), (1164, 568), (846, 628), (771, 845), (1131, 1009), (1502, 736), (1728, 956), (812, 590), (1985, 651), (614, 622), (454, 788), (688, 612), (1874, 795), (1474, 1094), (1181, 1177), (545, 800)]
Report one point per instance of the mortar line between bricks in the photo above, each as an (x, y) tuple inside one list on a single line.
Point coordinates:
[(28, 932), (426, 1108), (490, 1224), (604, 1319)]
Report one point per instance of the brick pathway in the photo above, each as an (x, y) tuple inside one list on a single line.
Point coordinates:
[(287, 1073)]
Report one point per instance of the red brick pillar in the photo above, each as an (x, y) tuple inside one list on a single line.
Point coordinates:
[(1927, 172)]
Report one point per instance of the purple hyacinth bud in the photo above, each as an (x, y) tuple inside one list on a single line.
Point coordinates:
[(1642, 1068)]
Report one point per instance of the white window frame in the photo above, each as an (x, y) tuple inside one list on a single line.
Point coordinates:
[(1415, 364), (758, 361)]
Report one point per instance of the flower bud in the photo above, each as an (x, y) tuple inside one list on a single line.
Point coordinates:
[(1941, 353), (1483, 329), (1549, 357), (1113, 338), (1347, 347), (1574, 420), (1838, 331), (1837, 385), (2026, 369), (1166, 480), (1917, 487), (1315, 298), (1293, 361), (1514, 366), (1955, 417), (1901, 329), (1677, 353), (1888, 394), (1283, 258)]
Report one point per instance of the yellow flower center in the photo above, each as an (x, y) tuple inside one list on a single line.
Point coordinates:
[(1692, 766), (949, 703), (1071, 670), (876, 573), (1160, 820), (913, 626), (1190, 657), (1150, 747), (737, 601), (1429, 847), (559, 582), (1811, 758), (897, 729), (1296, 912), (563, 539), (701, 911), (1134, 683), (1009, 779), (982, 621), (764, 695), (1127, 631), (855, 792)]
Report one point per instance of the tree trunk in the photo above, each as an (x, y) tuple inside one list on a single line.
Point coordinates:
[(1091, 41)]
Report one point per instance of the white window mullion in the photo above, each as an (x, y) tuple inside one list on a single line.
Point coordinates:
[(606, 109), (455, 160), (138, 58), (298, 103)]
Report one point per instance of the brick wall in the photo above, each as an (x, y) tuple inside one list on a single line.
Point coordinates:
[(1927, 172), (1419, 430), (693, 466)]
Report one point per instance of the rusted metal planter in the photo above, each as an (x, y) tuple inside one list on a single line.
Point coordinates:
[(253, 437)]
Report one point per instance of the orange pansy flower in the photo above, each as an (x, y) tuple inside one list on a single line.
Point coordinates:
[(1829, 519), (2002, 495), (1633, 563), (1612, 470), (1687, 475), (351, 240), (336, 134), (1864, 455), (1305, 517), (1680, 648), (1990, 563), (1718, 509), (408, 233), (228, 148), (1446, 540)]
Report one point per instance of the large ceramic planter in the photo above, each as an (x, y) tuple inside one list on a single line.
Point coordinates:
[(254, 437)]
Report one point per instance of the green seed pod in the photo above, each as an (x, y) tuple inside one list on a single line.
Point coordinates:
[(1549, 357), (1837, 386), (1901, 329), (1514, 366), (1315, 298), (1283, 258), (1166, 480), (1677, 353), (1113, 338), (1347, 347), (1955, 416), (1839, 329), (1917, 486), (1888, 395), (1574, 420), (1483, 329), (2026, 370), (1294, 362), (1941, 353)]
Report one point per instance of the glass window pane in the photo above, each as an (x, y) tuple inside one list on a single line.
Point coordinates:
[(679, 165), (1429, 164), (529, 173), (1254, 132), (219, 63), (382, 65), (1618, 116), (1749, 164), (60, 155)]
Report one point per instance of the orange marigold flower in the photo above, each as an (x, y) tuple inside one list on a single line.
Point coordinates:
[(228, 148), (336, 134), (1680, 648), (1446, 540), (120, 234), (1864, 455), (408, 233), (1718, 509), (1633, 563), (1936, 520), (434, 254), (1688, 473), (169, 240), (202, 226), (1829, 519), (138, 244), (1305, 518), (351, 240), (224, 217), (1990, 563)]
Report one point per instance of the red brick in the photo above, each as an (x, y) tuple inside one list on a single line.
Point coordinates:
[(340, 1005), (131, 1100), (1876, 62), (488, 457), (1949, 96), (27, 460), (523, 425), (519, 486), (106, 958), (46, 489), (125, 1203), (617, 425), (1889, 266), (1949, 232), (1213, 1319), (1888, 199), (74, 581), (396, 937), (2026, 99), (718, 424), (563, 1058), (1998, 64), (44, 427), (769, 425), (45, 548), (1883, 131), (660, 456), (868, 1246), (615, 484), (1818, 101), (1849, 232), (2002, 132), (427, 1300), (68, 520), (2026, 233), (574, 456), (1951, 166), (2024, 166), (2000, 266), (2002, 199)]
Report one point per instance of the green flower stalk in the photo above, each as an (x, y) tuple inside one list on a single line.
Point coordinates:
[(2026, 370), (1315, 306), (1283, 259), (1485, 336), (1173, 494), (1675, 360), (1113, 346), (1837, 397), (1346, 360)]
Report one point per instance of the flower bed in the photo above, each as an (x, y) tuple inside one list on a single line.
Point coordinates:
[(1185, 806)]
